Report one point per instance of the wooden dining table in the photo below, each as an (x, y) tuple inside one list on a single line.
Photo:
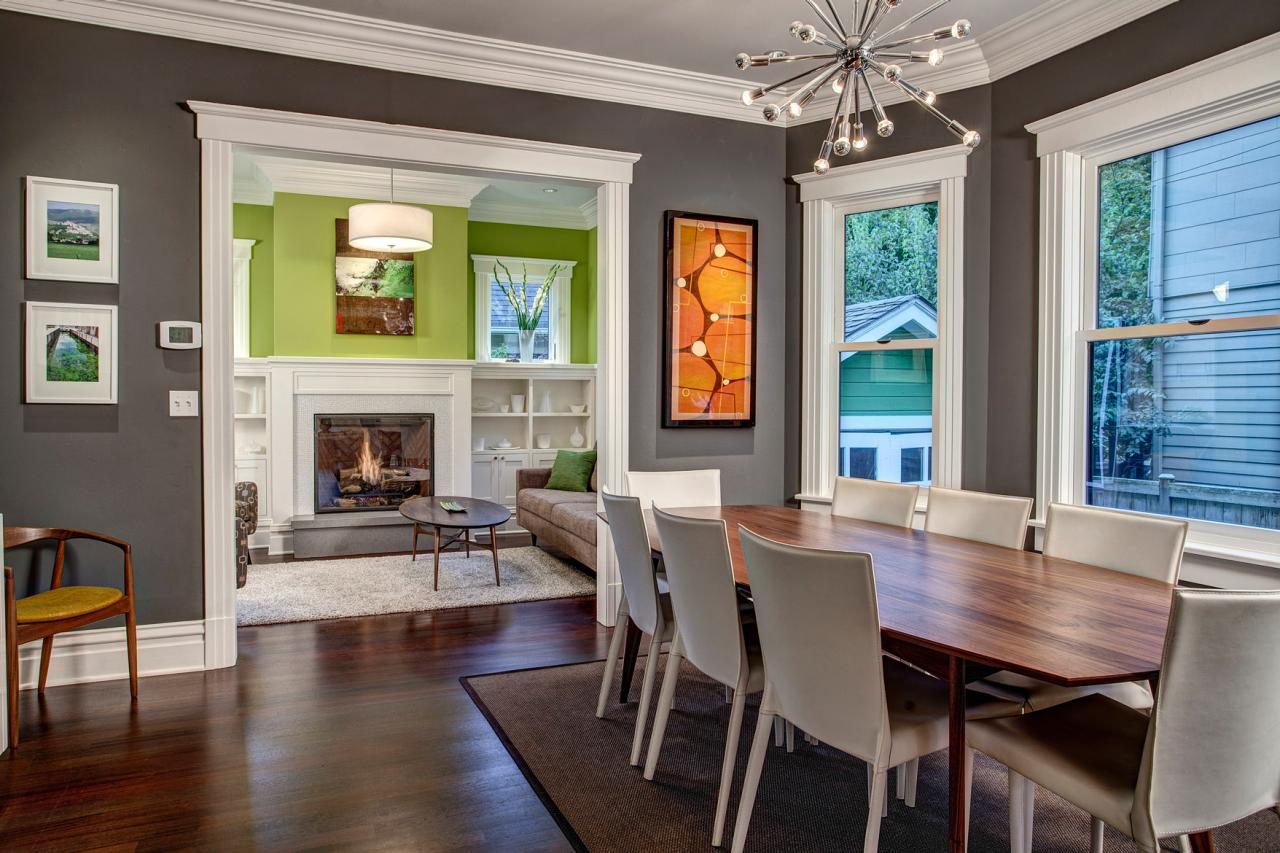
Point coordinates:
[(961, 610)]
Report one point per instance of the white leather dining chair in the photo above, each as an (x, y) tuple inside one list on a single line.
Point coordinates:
[(849, 696), (1206, 756), (666, 489), (710, 635), (1145, 545), (873, 500), (980, 517), (641, 603)]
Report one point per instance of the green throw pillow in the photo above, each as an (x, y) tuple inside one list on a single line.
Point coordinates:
[(572, 469)]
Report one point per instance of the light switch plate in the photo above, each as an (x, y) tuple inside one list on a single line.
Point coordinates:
[(184, 404)]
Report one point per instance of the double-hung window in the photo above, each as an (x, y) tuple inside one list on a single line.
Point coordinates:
[(881, 385), (497, 327), (1160, 305)]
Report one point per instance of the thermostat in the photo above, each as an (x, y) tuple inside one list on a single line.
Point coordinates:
[(179, 334)]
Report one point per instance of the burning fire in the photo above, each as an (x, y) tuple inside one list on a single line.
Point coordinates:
[(370, 468)]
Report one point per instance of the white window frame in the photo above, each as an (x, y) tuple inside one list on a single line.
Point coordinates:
[(934, 175), (1226, 91), (559, 322)]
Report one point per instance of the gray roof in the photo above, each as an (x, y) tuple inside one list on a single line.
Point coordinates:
[(863, 315)]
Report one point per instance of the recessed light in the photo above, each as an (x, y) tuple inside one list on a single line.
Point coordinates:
[(550, 190)]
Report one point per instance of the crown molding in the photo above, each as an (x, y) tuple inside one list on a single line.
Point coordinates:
[(530, 213), (278, 27), (589, 212), (342, 180), (1032, 37)]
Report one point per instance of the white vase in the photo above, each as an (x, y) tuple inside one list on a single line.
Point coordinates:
[(577, 439), (545, 406), (517, 402), (526, 344)]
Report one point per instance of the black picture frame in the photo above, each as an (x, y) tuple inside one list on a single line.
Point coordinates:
[(669, 421)]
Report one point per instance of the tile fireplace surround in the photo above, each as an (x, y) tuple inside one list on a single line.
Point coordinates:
[(301, 388)]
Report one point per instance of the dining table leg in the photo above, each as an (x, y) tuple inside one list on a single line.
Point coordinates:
[(1202, 842), (958, 800)]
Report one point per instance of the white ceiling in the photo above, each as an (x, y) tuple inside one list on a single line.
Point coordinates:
[(693, 35)]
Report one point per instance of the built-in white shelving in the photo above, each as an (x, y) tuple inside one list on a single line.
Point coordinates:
[(253, 437)]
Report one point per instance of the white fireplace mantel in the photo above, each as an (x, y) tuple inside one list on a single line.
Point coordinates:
[(300, 385)]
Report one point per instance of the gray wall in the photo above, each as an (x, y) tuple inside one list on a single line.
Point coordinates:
[(1002, 211), (112, 114)]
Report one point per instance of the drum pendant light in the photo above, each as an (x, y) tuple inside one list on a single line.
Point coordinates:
[(389, 227)]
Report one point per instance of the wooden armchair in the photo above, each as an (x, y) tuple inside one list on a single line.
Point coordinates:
[(61, 608)]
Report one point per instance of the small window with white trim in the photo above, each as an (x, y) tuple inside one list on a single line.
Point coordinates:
[(516, 319), (1181, 361)]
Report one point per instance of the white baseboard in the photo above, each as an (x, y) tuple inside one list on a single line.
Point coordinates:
[(101, 654), (281, 540)]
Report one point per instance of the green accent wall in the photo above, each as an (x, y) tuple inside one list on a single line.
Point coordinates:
[(304, 286), (256, 222), (561, 244), (291, 301)]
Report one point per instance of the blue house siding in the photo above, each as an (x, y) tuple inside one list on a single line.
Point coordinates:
[(1216, 224)]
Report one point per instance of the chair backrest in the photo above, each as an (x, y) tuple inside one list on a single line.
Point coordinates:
[(820, 634), (1213, 749), (874, 500), (1126, 542), (635, 559), (994, 519), (695, 552), (675, 488)]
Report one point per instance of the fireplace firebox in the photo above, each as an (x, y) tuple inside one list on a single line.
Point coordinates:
[(372, 462)]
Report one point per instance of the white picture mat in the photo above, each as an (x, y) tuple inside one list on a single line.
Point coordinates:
[(40, 315), (41, 191)]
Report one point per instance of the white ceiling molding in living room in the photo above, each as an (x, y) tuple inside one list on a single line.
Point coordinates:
[(345, 180), (298, 30)]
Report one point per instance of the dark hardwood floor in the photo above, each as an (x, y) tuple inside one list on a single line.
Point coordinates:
[(345, 734)]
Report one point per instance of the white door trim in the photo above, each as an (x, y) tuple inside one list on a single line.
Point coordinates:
[(222, 126)]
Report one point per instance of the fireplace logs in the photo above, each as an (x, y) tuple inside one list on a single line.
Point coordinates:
[(372, 461)]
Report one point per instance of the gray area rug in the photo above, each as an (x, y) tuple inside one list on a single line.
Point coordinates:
[(306, 590), (812, 799)]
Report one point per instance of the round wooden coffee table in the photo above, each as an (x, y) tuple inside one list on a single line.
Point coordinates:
[(477, 514)]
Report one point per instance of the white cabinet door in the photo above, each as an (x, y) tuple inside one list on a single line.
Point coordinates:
[(505, 469), (544, 458), (483, 482)]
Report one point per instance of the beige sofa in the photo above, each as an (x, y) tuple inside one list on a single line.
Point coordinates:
[(565, 521)]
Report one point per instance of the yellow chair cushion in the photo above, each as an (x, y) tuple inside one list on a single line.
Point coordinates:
[(65, 602)]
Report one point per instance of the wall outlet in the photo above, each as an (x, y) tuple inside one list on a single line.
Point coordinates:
[(184, 404)]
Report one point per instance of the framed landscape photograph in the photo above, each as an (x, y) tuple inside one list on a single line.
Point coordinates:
[(709, 334), (72, 230), (71, 353), (373, 291)]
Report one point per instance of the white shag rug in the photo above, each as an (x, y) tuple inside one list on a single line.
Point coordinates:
[(306, 590)]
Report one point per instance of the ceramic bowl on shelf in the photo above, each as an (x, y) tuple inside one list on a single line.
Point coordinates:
[(577, 408), (504, 445), (483, 404)]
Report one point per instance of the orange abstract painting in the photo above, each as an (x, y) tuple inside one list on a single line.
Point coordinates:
[(710, 347)]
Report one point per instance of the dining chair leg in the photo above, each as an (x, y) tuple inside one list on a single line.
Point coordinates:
[(1184, 841), (1097, 835), (665, 698), (730, 760), (131, 642), (646, 694), (755, 763), (884, 801), (900, 781), (913, 776), (791, 737), (876, 810), (46, 656), (728, 695), (615, 647), (779, 728), (1016, 816)]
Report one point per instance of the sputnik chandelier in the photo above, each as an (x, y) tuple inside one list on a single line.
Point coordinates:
[(852, 52)]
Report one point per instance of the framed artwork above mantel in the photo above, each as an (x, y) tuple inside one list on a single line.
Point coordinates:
[(709, 322)]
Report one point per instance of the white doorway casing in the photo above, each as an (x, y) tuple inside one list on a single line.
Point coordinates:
[(220, 127)]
